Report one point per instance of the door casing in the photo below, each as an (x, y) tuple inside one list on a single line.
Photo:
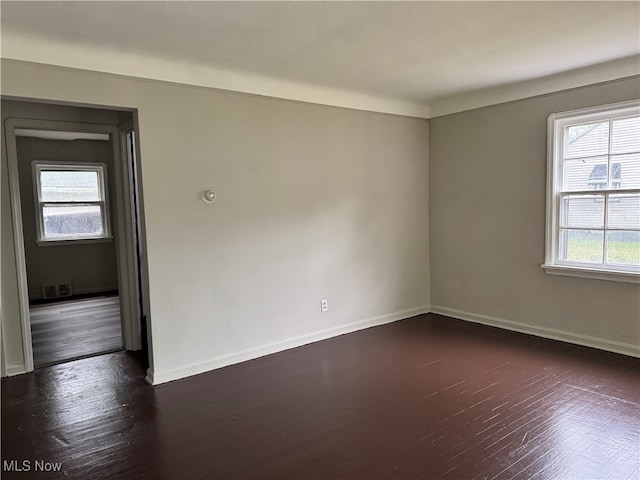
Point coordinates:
[(124, 230)]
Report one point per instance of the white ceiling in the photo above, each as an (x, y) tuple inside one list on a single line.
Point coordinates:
[(398, 56)]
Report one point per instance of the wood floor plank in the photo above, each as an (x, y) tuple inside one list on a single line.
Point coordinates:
[(73, 329), (429, 397)]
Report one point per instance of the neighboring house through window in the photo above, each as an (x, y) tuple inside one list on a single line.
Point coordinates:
[(598, 177), (71, 202), (593, 193)]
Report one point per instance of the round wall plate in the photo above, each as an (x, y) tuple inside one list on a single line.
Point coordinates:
[(208, 195)]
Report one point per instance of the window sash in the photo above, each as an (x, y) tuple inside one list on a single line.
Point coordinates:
[(102, 203), (604, 229)]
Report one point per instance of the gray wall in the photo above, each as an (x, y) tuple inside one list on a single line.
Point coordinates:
[(487, 224), (320, 202), (89, 267), (313, 202)]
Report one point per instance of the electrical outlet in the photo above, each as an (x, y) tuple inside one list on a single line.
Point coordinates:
[(324, 305)]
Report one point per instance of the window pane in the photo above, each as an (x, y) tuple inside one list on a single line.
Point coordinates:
[(587, 140), (72, 221), (582, 211), (623, 248), (585, 174), (69, 186), (625, 137), (625, 171), (583, 246), (624, 211)]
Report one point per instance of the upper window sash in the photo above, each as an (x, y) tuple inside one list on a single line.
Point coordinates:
[(98, 168)]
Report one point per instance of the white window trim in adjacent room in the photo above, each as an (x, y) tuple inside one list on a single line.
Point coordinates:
[(101, 170), (555, 135)]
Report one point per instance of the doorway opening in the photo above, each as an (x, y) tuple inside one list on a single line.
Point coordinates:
[(78, 231)]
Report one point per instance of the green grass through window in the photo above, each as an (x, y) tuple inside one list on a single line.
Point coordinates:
[(590, 251)]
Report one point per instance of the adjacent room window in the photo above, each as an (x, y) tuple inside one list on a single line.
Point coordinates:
[(593, 193), (71, 202)]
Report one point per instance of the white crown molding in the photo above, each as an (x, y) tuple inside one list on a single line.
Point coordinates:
[(602, 72), (46, 51), (30, 48)]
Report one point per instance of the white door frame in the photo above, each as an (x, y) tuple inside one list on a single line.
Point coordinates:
[(123, 230), (137, 239)]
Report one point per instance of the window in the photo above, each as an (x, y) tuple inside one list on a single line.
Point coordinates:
[(593, 193), (71, 202)]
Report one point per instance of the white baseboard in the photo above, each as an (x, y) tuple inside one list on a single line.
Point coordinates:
[(551, 333), (156, 378), (12, 370)]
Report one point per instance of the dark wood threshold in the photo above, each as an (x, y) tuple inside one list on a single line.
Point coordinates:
[(80, 357)]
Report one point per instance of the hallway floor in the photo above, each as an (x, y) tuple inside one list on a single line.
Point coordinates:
[(72, 329)]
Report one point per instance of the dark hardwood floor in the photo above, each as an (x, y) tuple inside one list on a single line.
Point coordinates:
[(72, 329), (429, 397)]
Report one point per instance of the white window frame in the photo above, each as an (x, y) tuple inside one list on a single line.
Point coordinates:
[(103, 203), (556, 124)]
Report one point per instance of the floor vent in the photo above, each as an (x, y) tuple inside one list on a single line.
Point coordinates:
[(56, 291), (64, 290)]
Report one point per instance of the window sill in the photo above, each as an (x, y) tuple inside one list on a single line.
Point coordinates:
[(74, 241), (598, 274)]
